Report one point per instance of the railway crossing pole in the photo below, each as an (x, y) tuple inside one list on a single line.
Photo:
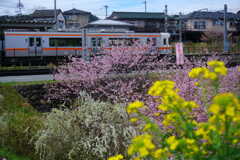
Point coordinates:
[(225, 40)]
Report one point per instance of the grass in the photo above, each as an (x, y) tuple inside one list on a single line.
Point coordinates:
[(12, 68), (26, 83), (4, 153), (21, 121)]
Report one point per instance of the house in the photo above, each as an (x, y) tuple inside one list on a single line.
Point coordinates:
[(49, 15), (75, 19), (108, 25), (205, 21), (142, 21)]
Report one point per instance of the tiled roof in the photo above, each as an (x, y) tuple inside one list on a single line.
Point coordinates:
[(16, 18), (75, 12), (211, 15), (48, 13), (137, 15)]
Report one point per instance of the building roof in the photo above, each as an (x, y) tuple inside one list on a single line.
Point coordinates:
[(47, 13), (211, 15), (16, 18), (137, 15), (75, 12), (104, 22)]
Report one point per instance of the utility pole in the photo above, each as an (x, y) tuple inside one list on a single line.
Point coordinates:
[(166, 18), (180, 27), (106, 8), (225, 40), (55, 13), (20, 6), (145, 3)]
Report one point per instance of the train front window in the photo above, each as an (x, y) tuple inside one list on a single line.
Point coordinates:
[(65, 42), (31, 42)]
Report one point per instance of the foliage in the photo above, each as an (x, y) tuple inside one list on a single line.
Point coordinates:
[(180, 135), (19, 122), (4, 153), (91, 130)]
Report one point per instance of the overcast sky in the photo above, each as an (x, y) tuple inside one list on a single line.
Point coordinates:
[(9, 7)]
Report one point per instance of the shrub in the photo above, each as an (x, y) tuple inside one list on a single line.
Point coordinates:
[(100, 76), (180, 136), (92, 130), (19, 122)]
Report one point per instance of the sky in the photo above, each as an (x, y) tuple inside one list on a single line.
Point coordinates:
[(96, 7)]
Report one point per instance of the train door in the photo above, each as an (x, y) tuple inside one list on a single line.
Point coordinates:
[(35, 46)]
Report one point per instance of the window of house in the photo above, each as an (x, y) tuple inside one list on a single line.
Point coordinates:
[(218, 23), (200, 25), (65, 42)]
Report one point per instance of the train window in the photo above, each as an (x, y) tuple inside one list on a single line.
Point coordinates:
[(164, 41), (152, 41), (38, 42), (99, 42), (65, 42), (96, 42), (122, 41), (31, 42)]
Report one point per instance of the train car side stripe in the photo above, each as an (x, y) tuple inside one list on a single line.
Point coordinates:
[(119, 35), (63, 49), (59, 35), (16, 49)]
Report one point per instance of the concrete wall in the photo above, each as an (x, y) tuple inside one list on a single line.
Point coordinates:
[(78, 21)]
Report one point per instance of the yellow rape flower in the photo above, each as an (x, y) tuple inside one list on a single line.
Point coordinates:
[(133, 107), (230, 111), (117, 157), (221, 70), (200, 131), (141, 144), (159, 153), (143, 152), (215, 63), (214, 108), (172, 142), (190, 141), (133, 120), (160, 87), (162, 107), (196, 72)]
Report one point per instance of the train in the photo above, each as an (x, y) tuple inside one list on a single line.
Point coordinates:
[(43, 45)]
